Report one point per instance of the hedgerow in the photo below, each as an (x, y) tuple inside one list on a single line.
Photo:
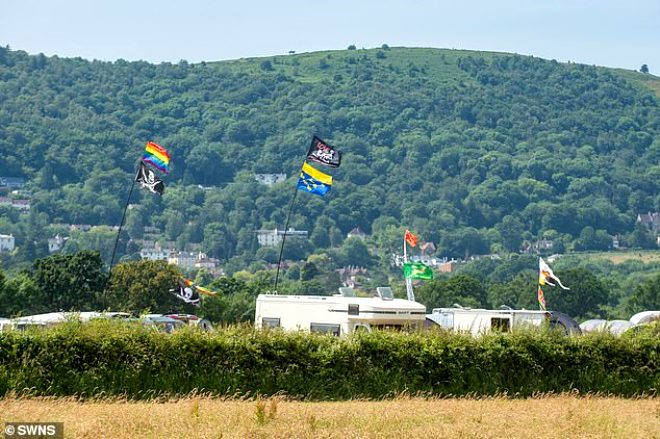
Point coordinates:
[(107, 358)]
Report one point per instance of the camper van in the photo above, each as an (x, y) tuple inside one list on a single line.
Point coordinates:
[(479, 321), (341, 314)]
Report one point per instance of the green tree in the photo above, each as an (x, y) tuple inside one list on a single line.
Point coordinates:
[(460, 289), (71, 282), (20, 296), (136, 286), (511, 230), (646, 296), (354, 251), (584, 299)]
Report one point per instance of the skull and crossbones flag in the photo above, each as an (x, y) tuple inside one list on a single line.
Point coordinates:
[(321, 152), (187, 292), (149, 180)]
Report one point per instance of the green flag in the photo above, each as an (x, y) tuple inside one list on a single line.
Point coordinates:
[(417, 270)]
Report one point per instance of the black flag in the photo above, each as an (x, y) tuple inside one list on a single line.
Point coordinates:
[(148, 179), (321, 152), (187, 293)]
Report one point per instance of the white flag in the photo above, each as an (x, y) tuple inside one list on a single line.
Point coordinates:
[(547, 277)]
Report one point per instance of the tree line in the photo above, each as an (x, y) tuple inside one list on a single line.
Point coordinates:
[(80, 282)]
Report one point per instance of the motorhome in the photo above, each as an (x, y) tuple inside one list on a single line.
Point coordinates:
[(479, 321), (340, 314), (4, 323)]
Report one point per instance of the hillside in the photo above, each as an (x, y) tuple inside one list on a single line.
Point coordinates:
[(474, 151)]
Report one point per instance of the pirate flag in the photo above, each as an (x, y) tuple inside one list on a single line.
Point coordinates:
[(321, 152), (187, 292), (148, 179)]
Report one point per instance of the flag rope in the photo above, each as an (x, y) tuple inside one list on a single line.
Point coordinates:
[(121, 225)]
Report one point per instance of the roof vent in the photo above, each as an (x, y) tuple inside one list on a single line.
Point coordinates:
[(385, 293)]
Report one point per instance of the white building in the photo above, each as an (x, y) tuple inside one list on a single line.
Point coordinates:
[(192, 260), (269, 179), (7, 243), (274, 237), (155, 253), (56, 243), (183, 259)]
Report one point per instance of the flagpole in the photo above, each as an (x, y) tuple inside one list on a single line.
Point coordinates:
[(286, 227), (538, 287), (409, 288), (121, 225)]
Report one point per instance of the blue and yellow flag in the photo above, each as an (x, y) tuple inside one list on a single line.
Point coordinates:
[(314, 181)]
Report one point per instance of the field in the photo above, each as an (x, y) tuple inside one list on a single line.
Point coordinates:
[(618, 257), (539, 417)]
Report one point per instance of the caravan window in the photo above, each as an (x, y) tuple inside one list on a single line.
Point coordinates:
[(500, 325), (270, 322), (353, 309), (326, 328)]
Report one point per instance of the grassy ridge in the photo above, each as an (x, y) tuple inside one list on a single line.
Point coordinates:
[(108, 359)]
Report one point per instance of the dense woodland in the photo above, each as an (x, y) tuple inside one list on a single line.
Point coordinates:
[(474, 151)]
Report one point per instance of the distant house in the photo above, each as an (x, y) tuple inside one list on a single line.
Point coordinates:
[(80, 227), (450, 266), (21, 205), (427, 248), (348, 275), (650, 220), (194, 260), (12, 182), (396, 260), (538, 246), (151, 229), (269, 179), (56, 243), (159, 252), (182, 259), (7, 243), (275, 236), (356, 233)]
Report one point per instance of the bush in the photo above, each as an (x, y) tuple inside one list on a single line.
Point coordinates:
[(109, 358)]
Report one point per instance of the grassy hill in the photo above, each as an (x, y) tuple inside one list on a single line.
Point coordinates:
[(475, 151)]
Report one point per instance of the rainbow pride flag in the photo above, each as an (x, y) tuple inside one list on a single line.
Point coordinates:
[(158, 156)]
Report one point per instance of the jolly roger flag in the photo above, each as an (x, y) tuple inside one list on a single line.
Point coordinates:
[(187, 292), (321, 152), (148, 179)]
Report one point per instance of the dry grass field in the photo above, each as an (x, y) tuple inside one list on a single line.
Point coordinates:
[(618, 257), (563, 416)]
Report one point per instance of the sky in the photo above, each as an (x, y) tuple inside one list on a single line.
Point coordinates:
[(608, 33)]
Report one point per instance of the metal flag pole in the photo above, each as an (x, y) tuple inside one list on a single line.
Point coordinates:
[(286, 227), (542, 306), (409, 287)]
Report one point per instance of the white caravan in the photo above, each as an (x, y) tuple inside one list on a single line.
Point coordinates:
[(479, 321), (340, 314)]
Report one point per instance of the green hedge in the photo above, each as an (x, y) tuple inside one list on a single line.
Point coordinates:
[(110, 359)]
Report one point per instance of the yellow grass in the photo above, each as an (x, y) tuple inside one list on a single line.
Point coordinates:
[(618, 257), (563, 416)]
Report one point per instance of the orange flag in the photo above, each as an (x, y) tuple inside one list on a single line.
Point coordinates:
[(410, 238), (541, 298)]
